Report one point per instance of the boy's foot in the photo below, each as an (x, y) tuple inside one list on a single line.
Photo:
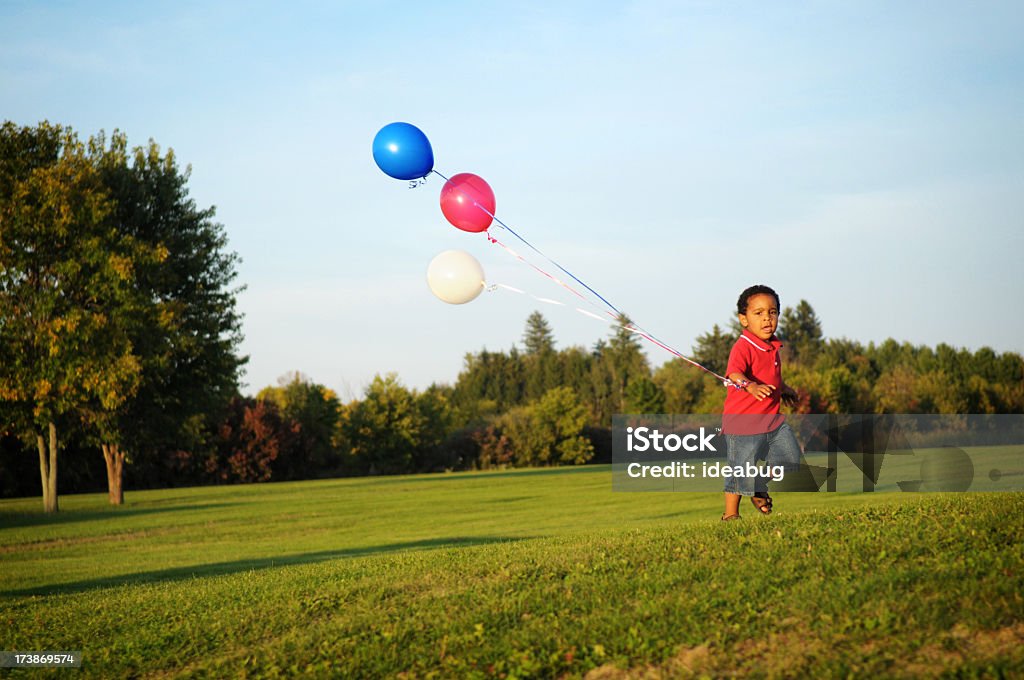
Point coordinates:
[(726, 518), (763, 502)]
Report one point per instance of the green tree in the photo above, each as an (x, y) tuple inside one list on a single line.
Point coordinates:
[(713, 348), (644, 396), (682, 384), (540, 361), (316, 411), (845, 391), (549, 431), (385, 428), (66, 280), (436, 417), (574, 368), (489, 383), (187, 331), (895, 391), (538, 338), (620, 363), (800, 331)]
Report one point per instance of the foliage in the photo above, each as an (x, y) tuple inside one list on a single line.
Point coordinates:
[(643, 395), (495, 448), (393, 429), (67, 289), (118, 326), (713, 348), (249, 440), (186, 331), (64, 279), (489, 383), (538, 338), (115, 308), (549, 431), (539, 361), (800, 331), (436, 417), (316, 413)]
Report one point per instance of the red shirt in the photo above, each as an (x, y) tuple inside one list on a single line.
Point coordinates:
[(759, 361)]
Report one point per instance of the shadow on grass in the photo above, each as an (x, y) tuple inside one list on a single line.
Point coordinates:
[(32, 519), (468, 477), (237, 566)]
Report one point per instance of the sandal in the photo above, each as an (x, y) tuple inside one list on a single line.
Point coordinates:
[(726, 518), (763, 502)]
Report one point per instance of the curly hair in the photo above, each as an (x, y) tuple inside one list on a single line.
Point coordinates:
[(741, 304)]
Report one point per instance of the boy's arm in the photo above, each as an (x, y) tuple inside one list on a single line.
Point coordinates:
[(755, 389)]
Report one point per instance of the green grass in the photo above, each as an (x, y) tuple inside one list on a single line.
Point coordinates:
[(516, 574)]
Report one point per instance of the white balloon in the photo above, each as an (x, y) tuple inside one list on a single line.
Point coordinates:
[(455, 276)]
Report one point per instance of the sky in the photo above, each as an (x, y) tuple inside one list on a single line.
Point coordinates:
[(867, 157)]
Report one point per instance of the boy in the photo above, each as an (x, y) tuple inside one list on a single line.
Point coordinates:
[(751, 421)]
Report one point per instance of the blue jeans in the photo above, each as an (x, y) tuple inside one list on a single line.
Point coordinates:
[(778, 447)]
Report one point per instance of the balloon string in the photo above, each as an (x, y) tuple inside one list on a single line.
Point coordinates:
[(495, 286), (632, 327), (535, 267), (531, 247), (534, 248)]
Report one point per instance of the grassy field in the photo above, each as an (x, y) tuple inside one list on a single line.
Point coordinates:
[(531, 573)]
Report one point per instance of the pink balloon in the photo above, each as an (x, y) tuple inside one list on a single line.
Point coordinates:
[(467, 202)]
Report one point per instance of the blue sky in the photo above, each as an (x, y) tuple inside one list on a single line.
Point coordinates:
[(865, 156)]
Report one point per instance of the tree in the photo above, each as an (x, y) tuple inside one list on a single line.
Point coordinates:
[(540, 362), (538, 338), (549, 431), (436, 419), (644, 396), (385, 428), (65, 280), (186, 332), (895, 390), (681, 384), (619, 362), (249, 440), (316, 412), (495, 448), (713, 348), (800, 330)]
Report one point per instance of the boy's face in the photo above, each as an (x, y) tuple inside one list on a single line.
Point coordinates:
[(762, 317)]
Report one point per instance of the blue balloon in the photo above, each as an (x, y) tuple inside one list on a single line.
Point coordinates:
[(402, 151)]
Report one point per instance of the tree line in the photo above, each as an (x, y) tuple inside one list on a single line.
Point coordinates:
[(119, 356), (537, 405)]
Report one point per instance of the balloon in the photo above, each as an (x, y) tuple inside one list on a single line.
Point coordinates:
[(455, 277), (467, 202), (402, 151)]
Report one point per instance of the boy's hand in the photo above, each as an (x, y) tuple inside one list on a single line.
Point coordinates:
[(759, 391), (789, 395)]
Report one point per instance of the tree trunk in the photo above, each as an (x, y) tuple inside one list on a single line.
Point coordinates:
[(44, 471), (114, 456), (48, 469)]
